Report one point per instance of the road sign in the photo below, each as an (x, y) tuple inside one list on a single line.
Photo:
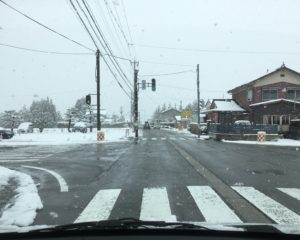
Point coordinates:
[(186, 114)]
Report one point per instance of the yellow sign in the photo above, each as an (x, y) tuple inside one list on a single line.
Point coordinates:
[(186, 114)]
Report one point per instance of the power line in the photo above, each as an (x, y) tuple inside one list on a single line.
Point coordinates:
[(165, 63), (115, 62), (119, 26), (190, 89), (128, 28), (86, 28), (114, 34), (165, 74), (95, 41), (42, 51), (48, 28), (215, 50)]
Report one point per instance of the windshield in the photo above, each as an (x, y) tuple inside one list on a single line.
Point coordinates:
[(176, 111)]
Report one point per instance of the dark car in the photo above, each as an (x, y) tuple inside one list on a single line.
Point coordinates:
[(294, 129), (147, 125), (6, 134)]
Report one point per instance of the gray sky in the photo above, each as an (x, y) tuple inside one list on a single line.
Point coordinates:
[(239, 41)]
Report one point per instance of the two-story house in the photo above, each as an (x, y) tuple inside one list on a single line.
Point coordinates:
[(271, 99)]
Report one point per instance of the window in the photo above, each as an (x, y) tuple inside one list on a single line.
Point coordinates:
[(269, 94), (249, 95), (285, 119), (293, 94)]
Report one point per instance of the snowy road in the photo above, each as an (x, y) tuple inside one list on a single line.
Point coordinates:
[(165, 176)]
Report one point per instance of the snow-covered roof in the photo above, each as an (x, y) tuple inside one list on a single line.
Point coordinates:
[(178, 118), (24, 125), (274, 101), (225, 106), (80, 124)]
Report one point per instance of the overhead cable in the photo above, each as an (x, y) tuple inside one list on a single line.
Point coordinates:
[(43, 25), (43, 51)]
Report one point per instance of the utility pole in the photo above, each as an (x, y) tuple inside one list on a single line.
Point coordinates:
[(198, 100), (98, 89), (135, 85)]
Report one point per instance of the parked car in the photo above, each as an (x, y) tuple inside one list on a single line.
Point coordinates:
[(5, 134), (294, 129), (242, 123), (80, 127), (25, 127)]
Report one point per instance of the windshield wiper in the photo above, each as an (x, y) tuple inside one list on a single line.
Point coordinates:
[(123, 223)]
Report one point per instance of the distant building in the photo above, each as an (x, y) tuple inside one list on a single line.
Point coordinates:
[(169, 115), (224, 111)]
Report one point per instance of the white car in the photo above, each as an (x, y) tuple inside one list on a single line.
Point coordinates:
[(25, 127)]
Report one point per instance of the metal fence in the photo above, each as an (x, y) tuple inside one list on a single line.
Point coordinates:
[(243, 129)]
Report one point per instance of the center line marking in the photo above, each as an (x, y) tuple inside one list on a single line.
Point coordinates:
[(62, 183)]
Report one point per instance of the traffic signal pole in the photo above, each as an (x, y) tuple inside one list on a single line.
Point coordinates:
[(135, 99), (98, 88), (198, 100)]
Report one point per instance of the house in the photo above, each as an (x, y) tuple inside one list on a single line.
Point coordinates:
[(271, 99), (169, 115), (224, 111)]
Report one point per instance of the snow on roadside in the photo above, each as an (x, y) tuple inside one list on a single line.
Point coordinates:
[(186, 132), (21, 211), (61, 137), (279, 142)]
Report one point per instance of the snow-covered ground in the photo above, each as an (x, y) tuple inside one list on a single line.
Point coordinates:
[(186, 132), (279, 142), (58, 136), (20, 211)]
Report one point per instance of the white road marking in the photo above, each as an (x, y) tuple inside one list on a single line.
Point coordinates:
[(276, 211), (163, 138), (100, 206), (155, 205), (144, 139), (293, 192), (182, 139), (62, 183), (172, 138), (153, 139), (213, 208)]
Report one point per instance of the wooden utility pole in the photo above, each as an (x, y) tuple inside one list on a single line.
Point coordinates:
[(135, 99), (98, 89), (198, 100)]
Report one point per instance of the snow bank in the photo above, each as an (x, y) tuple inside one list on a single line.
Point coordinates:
[(279, 142), (62, 137), (21, 211), (187, 133)]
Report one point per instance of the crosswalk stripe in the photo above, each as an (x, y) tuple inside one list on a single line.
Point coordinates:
[(293, 192), (182, 139), (155, 205), (153, 139), (172, 138), (277, 212), (213, 208), (144, 139), (163, 138), (100, 206)]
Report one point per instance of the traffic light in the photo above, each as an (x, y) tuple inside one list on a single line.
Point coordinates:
[(153, 84), (88, 99)]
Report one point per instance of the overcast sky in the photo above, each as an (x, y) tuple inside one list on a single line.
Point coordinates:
[(233, 41)]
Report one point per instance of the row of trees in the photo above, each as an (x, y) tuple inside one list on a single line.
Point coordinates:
[(189, 107), (42, 113)]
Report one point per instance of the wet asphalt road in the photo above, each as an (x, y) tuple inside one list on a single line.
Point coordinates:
[(155, 179)]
